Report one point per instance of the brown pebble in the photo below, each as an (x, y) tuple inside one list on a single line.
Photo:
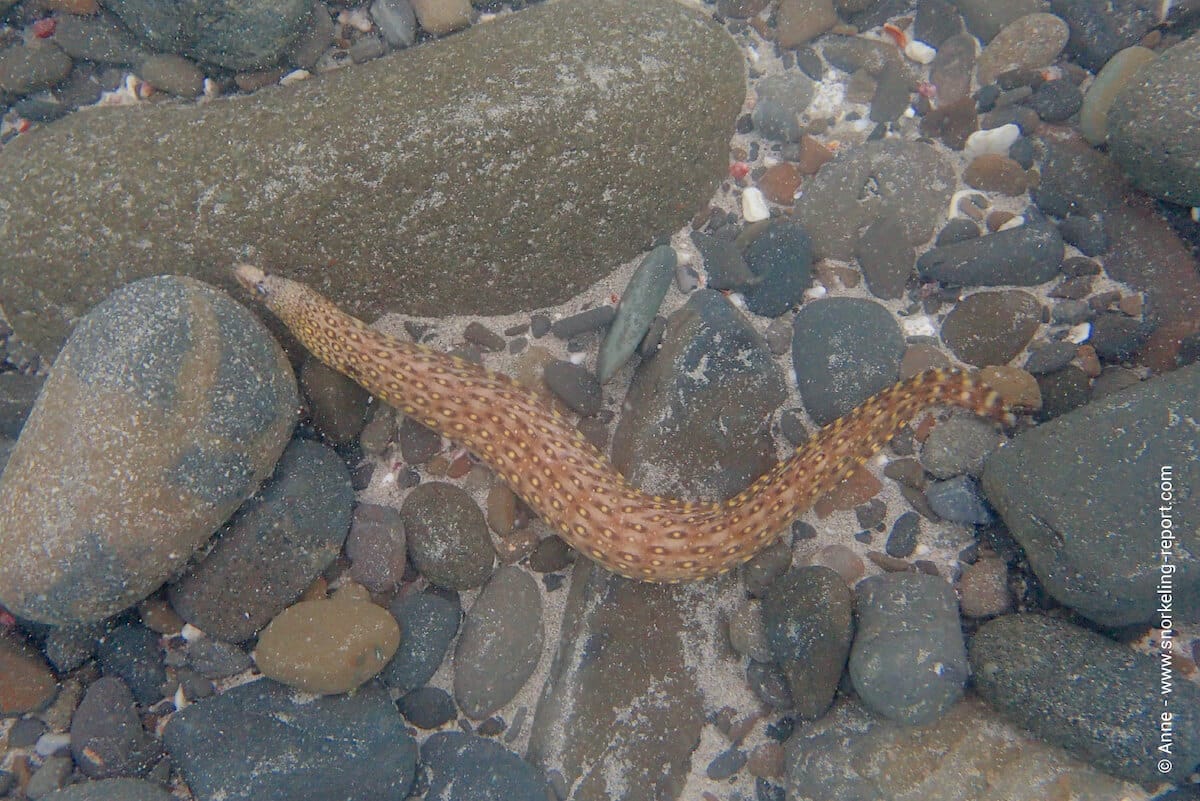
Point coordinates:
[(501, 509), (780, 182), (158, 616), (28, 683), (813, 155), (766, 760), (327, 647), (460, 466), (1088, 361), (1131, 304), (842, 561), (835, 276), (517, 545), (921, 357), (996, 220), (889, 564), (993, 172), (983, 588), (253, 81)]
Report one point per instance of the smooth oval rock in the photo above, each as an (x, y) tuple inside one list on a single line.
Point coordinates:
[(262, 740), (327, 646), (28, 683), (1084, 692), (908, 661), (448, 539), (1065, 490), (1031, 41), (639, 303), (463, 767), (501, 643), (107, 738), (111, 790), (582, 184), (1026, 255), (991, 327), (428, 622), (276, 544), (1113, 76), (1152, 125), (167, 407)]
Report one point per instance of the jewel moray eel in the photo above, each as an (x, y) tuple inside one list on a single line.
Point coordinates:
[(567, 480)]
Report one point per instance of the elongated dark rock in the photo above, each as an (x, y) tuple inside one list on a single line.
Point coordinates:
[(503, 168)]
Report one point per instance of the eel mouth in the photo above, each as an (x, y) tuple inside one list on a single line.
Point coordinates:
[(251, 278)]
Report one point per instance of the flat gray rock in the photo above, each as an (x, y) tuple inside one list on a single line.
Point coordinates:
[(165, 410), (581, 130), (1081, 495)]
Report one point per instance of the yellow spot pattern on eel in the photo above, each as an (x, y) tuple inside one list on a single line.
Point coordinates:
[(593, 507)]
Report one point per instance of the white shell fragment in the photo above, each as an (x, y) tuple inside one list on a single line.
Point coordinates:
[(919, 52), (754, 205), (918, 325), (993, 140), (1079, 333)]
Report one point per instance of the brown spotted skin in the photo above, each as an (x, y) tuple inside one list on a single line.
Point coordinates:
[(567, 481)]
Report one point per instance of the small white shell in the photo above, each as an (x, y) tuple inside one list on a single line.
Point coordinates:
[(754, 205), (993, 140), (918, 325), (295, 76), (1079, 333), (919, 52)]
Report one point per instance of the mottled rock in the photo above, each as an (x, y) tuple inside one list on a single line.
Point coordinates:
[(959, 445), (967, 755), (448, 540), (428, 623), (609, 677), (874, 180), (886, 261), (212, 184), (1026, 255), (167, 407), (1099, 28), (1065, 490), (235, 35), (273, 548), (375, 547), (1029, 42), (695, 415), (780, 257), (1084, 692), (908, 661), (844, 350), (327, 646), (28, 68), (260, 740), (107, 738), (501, 643), (991, 327), (807, 614), (1152, 125), (781, 99), (464, 767), (133, 653), (28, 683)]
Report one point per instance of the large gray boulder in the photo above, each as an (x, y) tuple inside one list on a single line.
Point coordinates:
[(503, 168), (1084, 495)]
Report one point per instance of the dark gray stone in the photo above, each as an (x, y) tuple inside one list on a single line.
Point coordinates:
[(501, 643), (696, 415), (575, 386), (167, 407), (107, 738), (1099, 28), (992, 327), (908, 661), (1084, 692), (463, 767), (261, 741), (844, 350), (111, 790), (781, 259), (448, 538), (428, 623), (235, 34), (272, 550), (781, 98), (958, 499), (427, 707), (1027, 255), (618, 702), (902, 540), (632, 138), (1080, 493), (808, 618), (132, 653), (885, 258)]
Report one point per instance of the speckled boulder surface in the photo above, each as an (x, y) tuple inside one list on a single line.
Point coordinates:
[(1081, 494), (383, 185), (166, 408), (1152, 125)]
